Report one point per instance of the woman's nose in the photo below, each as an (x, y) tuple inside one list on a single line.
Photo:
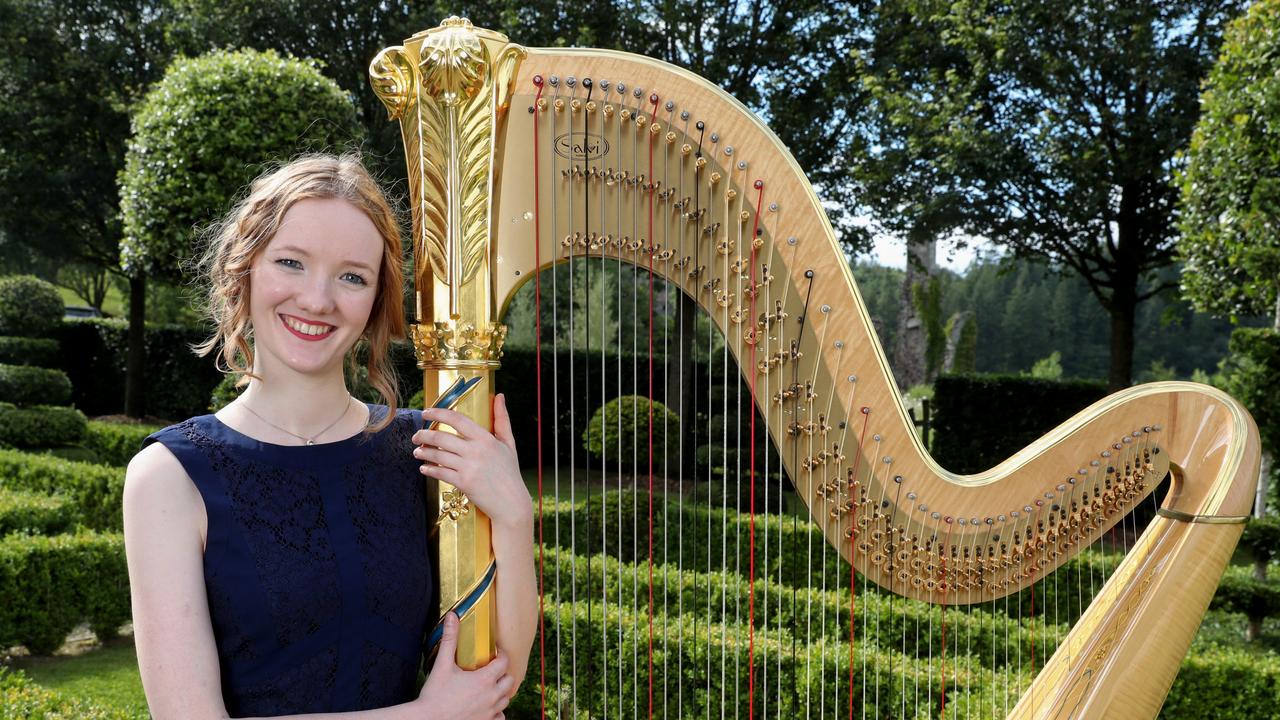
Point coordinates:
[(316, 297)]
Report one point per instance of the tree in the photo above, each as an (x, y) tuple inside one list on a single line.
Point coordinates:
[(1048, 126), (1231, 185), (69, 71), (1231, 210), (201, 135)]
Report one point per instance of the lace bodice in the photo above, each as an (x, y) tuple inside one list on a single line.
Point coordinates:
[(319, 584)]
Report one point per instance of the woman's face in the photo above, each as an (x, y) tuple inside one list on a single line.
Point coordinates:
[(312, 288)]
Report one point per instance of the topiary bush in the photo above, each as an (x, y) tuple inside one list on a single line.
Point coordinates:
[(621, 429), (95, 491), (63, 580), (116, 443), (29, 306), (41, 352), (25, 385), (34, 513), (22, 698), (41, 426)]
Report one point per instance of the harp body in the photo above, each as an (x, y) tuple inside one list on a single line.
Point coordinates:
[(603, 154)]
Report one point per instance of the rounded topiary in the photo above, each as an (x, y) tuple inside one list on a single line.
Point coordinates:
[(621, 429), (41, 426), (29, 306), (41, 352), (25, 385)]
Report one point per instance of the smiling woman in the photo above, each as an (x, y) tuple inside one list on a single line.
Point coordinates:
[(277, 550)]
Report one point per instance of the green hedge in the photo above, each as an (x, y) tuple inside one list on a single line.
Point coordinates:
[(25, 385), (41, 352), (178, 383), (116, 443), (1225, 684), (1241, 592), (34, 513), (29, 306), (621, 428), (1029, 407), (41, 426), (94, 491), (20, 697), (62, 580)]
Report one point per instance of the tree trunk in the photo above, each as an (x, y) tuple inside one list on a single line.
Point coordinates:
[(136, 358), (1122, 308)]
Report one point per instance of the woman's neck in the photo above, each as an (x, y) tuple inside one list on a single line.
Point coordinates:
[(301, 405)]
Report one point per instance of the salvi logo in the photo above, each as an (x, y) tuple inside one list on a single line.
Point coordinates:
[(581, 146)]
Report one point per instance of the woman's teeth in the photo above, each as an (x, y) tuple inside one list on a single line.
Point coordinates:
[(307, 329)]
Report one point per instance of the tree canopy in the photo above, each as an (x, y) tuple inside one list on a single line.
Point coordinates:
[(1048, 126), (1231, 185)]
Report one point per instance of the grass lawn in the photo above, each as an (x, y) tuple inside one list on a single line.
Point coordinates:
[(113, 304), (106, 676)]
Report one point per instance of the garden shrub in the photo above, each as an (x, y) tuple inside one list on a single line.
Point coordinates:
[(63, 581), (34, 513), (25, 385), (178, 382), (1225, 684), (20, 697), (41, 426), (621, 429), (41, 352), (968, 437), (95, 491), (116, 443), (29, 306)]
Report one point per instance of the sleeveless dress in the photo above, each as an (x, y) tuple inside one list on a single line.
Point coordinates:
[(319, 582)]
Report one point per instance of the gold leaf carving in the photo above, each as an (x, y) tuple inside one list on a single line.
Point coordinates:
[(391, 74)]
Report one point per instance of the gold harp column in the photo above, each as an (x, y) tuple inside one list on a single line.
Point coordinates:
[(450, 88)]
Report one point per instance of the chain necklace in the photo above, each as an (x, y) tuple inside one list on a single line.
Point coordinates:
[(309, 440)]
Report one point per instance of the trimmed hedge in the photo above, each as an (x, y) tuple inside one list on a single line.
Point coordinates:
[(178, 383), (41, 352), (34, 513), (1029, 407), (1225, 684), (116, 443), (94, 491), (29, 306), (24, 385), (63, 581), (621, 428), (20, 697), (41, 426)]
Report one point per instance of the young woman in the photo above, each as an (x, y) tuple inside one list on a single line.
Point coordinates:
[(277, 549)]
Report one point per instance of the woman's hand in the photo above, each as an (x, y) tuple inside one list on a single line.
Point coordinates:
[(481, 464), (452, 693)]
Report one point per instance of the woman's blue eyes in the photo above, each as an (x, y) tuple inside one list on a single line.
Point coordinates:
[(350, 277)]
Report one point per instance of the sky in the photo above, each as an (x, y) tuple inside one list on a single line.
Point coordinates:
[(893, 253)]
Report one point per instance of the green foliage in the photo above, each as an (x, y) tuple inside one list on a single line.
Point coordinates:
[(41, 426), (224, 393), (1224, 684), (205, 130), (25, 385), (178, 382), (116, 443), (926, 298), (1230, 202), (33, 513), (1252, 376), (29, 306), (1049, 368), (22, 698), (1029, 407), (966, 355), (1261, 538), (63, 580), (1242, 593), (621, 428), (95, 491), (976, 124), (41, 352)]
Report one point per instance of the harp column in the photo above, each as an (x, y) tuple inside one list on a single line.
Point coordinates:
[(450, 88)]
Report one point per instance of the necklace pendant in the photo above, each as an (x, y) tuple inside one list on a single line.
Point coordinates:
[(311, 442)]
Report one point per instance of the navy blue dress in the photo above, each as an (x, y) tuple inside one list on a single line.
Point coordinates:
[(316, 567)]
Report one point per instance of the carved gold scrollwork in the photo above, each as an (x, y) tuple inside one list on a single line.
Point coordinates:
[(392, 75), (447, 344)]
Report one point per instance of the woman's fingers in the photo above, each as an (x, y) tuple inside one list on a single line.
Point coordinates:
[(502, 422), (465, 426), (440, 457), (440, 439)]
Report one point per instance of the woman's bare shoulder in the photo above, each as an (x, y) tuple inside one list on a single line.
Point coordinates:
[(156, 485)]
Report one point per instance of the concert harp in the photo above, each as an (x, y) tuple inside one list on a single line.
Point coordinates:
[(522, 159)]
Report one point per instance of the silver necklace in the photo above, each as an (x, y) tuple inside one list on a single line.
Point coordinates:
[(309, 440)]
